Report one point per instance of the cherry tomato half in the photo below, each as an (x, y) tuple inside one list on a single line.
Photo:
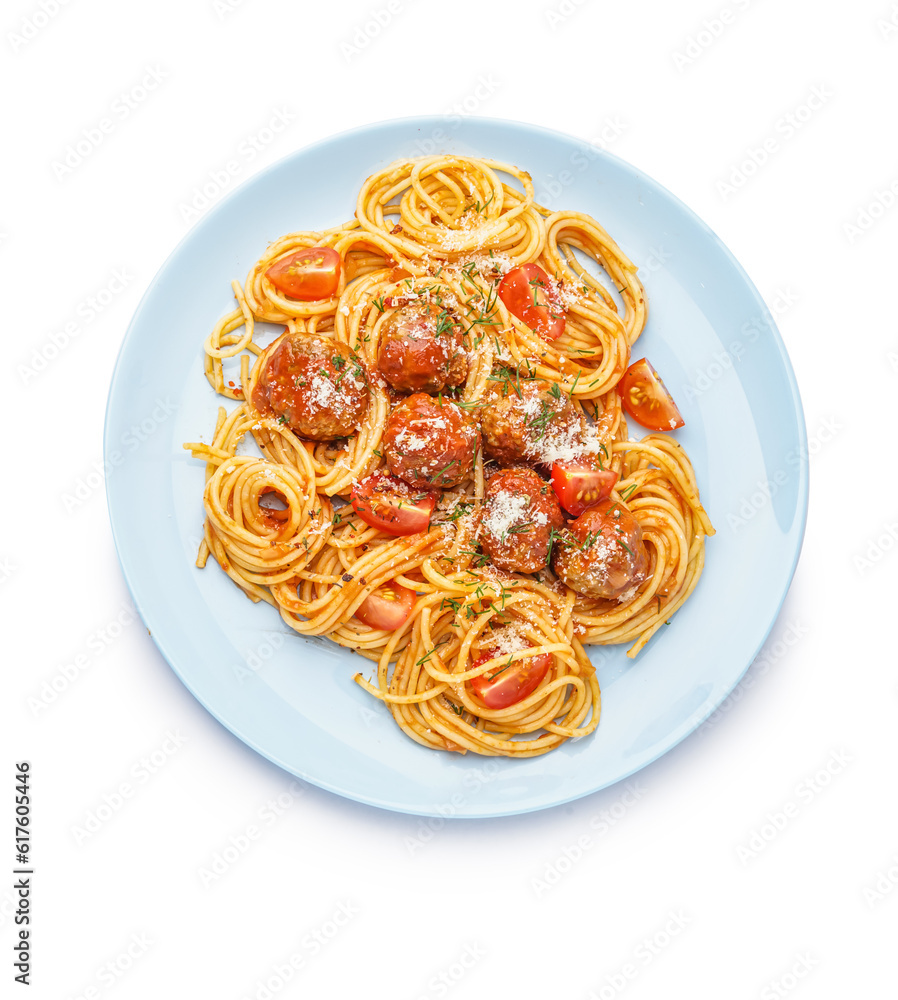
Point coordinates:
[(387, 608), (527, 294), (507, 685), (307, 274), (646, 399), (388, 503), (580, 484)]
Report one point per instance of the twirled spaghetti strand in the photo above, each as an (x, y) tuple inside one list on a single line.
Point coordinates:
[(444, 229)]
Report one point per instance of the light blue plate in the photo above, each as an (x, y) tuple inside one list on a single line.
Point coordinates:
[(293, 699)]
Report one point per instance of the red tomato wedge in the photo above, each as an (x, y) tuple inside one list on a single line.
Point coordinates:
[(387, 608), (527, 294), (388, 503), (507, 685), (578, 484), (646, 399), (307, 274)]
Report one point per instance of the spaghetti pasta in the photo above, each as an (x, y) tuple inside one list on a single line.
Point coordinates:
[(439, 237)]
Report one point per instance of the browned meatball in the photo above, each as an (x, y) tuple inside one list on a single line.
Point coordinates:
[(430, 442), (519, 515), (421, 350), (315, 385), (602, 553), (529, 420)]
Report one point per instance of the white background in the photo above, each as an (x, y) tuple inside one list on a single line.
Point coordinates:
[(757, 859)]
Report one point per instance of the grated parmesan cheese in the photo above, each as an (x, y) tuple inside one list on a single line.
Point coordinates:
[(507, 640), (504, 511), (409, 441), (558, 440)]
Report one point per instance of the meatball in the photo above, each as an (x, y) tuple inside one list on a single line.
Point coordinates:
[(529, 420), (315, 385), (421, 350), (519, 515), (602, 553), (430, 442)]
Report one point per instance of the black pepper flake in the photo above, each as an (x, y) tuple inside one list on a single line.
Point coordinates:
[(347, 577)]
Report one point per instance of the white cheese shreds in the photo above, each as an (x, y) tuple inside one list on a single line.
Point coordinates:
[(504, 511), (409, 441), (507, 640), (322, 393), (570, 293), (559, 440), (601, 552)]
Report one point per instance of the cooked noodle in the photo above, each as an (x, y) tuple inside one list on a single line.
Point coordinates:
[(444, 228)]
